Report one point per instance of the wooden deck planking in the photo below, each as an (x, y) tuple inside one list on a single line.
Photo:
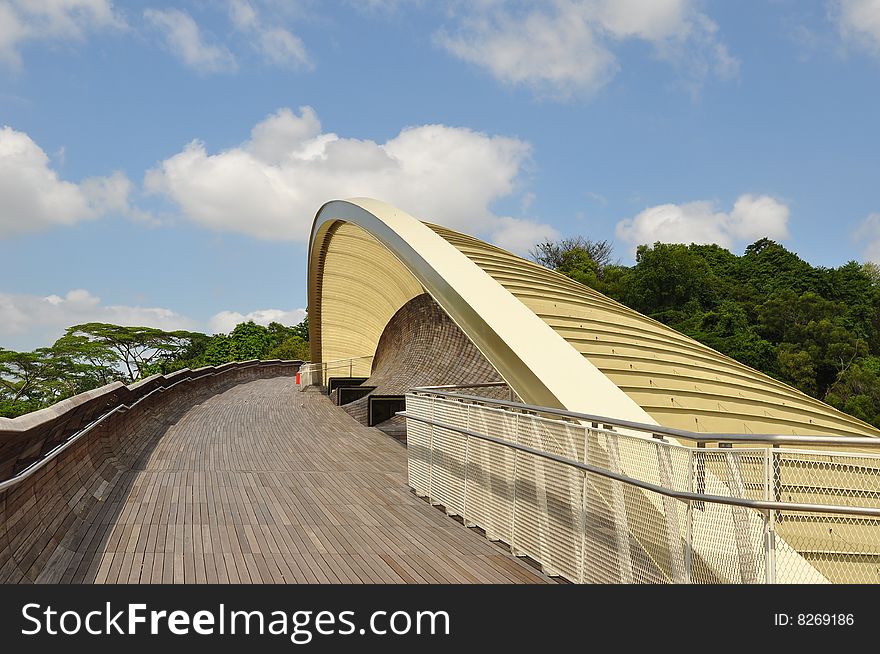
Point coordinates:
[(263, 484)]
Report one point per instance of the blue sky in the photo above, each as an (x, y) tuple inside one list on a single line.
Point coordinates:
[(160, 162)]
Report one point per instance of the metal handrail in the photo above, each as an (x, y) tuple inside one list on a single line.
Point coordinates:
[(120, 408), (772, 439), (685, 496), (323, 367), (453, 386), (324, 363), (326, 367)]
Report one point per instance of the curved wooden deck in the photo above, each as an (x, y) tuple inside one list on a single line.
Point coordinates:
[(264, 484)]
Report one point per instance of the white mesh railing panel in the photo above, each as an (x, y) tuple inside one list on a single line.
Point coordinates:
[(842, 548), (586, 525), (418, 443), (549, 497), (449, 456), (490, 473)]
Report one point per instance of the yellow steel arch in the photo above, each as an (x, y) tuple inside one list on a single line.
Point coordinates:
[(384, 257), (556, 342)]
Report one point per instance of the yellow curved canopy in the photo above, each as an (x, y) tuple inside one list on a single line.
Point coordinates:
[(556, 342)]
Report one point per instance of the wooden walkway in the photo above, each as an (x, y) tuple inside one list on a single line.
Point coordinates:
[(264, 484)]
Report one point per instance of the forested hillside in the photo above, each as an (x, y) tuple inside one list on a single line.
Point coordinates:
[(94, 354), (815, 328)]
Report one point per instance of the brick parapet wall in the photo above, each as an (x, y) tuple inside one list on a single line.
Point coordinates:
[(47, 514)]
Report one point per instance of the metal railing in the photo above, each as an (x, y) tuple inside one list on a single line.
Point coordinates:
[(317, 374), (596, 499), (73, 438), (654, 430)]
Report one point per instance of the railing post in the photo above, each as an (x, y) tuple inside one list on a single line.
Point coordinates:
[(745, 547), (689, 527), (583, 562), (769, 519), (670, 509), (621, 523), (467, 460), (585, 507), (689, 545), (431, 453), (515, 439)]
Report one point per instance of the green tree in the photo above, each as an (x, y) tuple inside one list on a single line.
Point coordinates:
[(248, 341), (786, 316), (857, 390), (293, 348), (302, 329), (580, 266), (191, 356), (91, 361), (33, 380), (135, 349), (218, 351), (573, 252), (797, 368), (668, 276), (767, 267), (22, 375)]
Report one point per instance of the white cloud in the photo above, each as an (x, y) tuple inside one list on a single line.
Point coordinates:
[(34, 197), (519, 235), (31, 321), (751, 218), (868, 234), (184, 39), (556, 53), (382, 6), (278, 46), (272, 185), (243, 14), (225, 321), (652, 20), (565, 48), (281, 48), (859, 22), (22, 21), (754, 217)]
